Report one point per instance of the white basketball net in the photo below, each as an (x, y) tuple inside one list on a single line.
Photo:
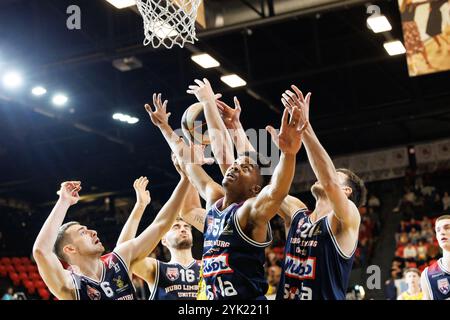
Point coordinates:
[(168, 22)]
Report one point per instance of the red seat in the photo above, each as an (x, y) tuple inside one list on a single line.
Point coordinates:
[(31, 268), (3, 271), (16, 261), (25, 261), (35, 276), (30, 286), (23, 276), (21, 268), (5, 261), (39, 284), (44, 293), (10, 268), (14, 278)]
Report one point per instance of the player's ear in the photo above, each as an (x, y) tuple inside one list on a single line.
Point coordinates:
[(256, 188)]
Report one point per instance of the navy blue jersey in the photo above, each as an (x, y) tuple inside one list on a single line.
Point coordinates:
[(233, 263), (438, 281), (314, 267), (175, 282), (114, 284)]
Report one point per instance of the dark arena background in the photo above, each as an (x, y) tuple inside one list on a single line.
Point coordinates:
[(66, 72)]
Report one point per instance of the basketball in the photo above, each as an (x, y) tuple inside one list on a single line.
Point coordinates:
[(194, 126)]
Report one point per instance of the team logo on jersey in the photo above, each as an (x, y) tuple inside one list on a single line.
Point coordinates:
[(300, 268), (443, 286), (119, 282), (214, 265), (227, 230), (172, 274), (210, 224), (93, 293), (299, 225), (114, 265)]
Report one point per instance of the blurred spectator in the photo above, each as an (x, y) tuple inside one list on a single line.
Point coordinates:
[(426, 223), (445, 201), (403, 239), (421, 252), (433, 251), (427, 234), (414, 236), (412, 279), (410, 252), (273, 278), (9, 295), (373, 202)]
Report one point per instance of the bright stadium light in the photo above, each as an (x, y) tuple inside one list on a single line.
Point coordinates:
[(125, 118), (379, 23), (205, 61), (60, 99), (394, 47), (12, 80), (233, 80), (38, 91), (121, 4)]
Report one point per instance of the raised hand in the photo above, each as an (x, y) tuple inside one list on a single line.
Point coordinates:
[(230, 116), (197, 155), (159, 117), (289, 139), (69, 192), (291, 99), (203, 91), (142, 195)]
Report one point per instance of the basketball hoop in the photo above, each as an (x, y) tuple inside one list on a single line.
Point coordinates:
[(168, 22)]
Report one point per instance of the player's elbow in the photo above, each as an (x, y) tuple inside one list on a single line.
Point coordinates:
[(38, 253), (331, 186)]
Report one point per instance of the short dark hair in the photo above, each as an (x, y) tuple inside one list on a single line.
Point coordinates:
[(62, 240), (359, 191), (261, 162)]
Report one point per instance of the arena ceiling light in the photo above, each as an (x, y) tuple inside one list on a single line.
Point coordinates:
[(12, 80), (121, 4), (233, 80), (125, 118), (205, 60), (38, 91), (379, 23), (394, 47), (59, 99)]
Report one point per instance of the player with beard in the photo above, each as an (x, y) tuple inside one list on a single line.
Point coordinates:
[(320, 244), (435, 279), (93, 276), (178, 278)]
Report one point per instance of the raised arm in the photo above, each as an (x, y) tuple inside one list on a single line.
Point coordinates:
[(221, 144), (231, 120), (289, 141), (189, 156), (322, 165), (140, 247), (142, 201), (50, 268)]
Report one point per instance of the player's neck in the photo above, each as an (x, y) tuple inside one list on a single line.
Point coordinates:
[(413, 290), (181, 256), (90, 267), (231, 198), (446, 259), (323, 207)]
